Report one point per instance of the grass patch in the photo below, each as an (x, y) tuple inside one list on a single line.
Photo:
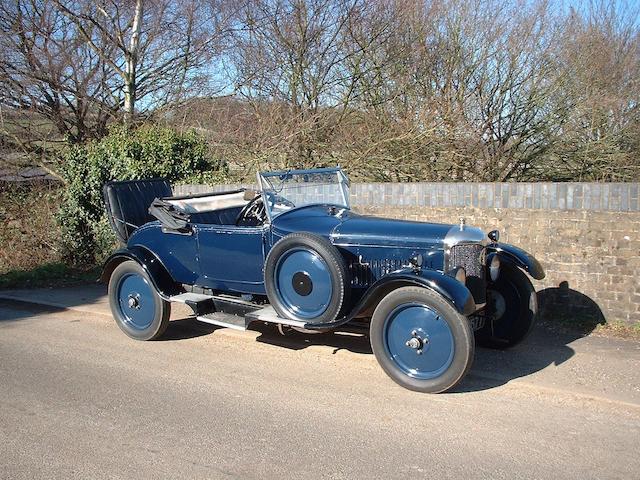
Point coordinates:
[(619, 329), (48, 275), (585, 324)]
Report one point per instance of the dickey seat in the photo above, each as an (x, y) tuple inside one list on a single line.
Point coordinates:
[(128, 201)]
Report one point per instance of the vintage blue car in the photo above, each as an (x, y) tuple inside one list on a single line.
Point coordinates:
[(293, 253)]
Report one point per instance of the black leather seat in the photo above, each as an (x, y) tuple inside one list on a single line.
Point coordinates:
[(128, 203)]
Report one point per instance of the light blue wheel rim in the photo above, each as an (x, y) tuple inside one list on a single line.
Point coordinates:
[(414, 320), (135, 301), (309, 263)]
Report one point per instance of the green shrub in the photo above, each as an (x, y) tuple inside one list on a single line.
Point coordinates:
[(122, 155)]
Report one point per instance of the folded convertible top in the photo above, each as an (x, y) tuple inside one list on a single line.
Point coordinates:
[(169, 216)]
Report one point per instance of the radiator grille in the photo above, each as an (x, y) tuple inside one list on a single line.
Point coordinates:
[(469, 256)]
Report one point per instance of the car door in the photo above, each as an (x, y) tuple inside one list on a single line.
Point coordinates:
[(231, 258), (176, 250)]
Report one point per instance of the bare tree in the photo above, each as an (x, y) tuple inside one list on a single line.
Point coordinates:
[(291, 54), (80, 64), (46, 68), (447, 89), (396, 90), (154, 48), (600, 96)]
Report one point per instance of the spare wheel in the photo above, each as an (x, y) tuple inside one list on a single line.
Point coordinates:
[(306, 278)]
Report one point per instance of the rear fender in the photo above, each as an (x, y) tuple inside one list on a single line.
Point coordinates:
[(160, 277), (519, 258)]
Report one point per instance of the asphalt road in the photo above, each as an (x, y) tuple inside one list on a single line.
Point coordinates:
[(78, 399)]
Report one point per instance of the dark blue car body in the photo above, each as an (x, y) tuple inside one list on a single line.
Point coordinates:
[(222, 261)]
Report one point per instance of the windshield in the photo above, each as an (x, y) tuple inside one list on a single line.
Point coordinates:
[(285, 190)]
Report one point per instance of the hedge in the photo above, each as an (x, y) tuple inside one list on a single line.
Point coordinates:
[(146, 152)]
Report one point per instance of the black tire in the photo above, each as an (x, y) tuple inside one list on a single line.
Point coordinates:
[(147, 317), (512, 309), (288, 289), (457, 346)]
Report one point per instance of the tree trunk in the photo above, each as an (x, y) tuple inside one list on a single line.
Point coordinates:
[(130, 65)]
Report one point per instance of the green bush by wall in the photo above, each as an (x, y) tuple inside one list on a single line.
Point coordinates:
[(146, 152)]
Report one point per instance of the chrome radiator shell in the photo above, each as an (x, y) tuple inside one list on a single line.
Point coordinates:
[(465, 247)]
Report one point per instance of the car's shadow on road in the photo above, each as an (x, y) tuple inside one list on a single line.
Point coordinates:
[(565, 316), (354, 340), (185, 328), (548, 344), (493, 368)]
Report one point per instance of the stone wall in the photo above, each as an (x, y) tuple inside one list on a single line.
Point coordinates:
[(587, 236)]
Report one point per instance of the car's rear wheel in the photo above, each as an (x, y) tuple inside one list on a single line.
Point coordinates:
[(306, 278), (512, 309), (420, 340), (136, 306)]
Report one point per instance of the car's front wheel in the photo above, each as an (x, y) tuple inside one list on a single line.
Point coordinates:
[(420, 340), (136, 306)]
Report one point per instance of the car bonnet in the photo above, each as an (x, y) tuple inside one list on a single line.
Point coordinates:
[(375, 231)]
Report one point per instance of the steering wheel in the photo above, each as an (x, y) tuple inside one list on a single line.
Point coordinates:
[(252, 214)]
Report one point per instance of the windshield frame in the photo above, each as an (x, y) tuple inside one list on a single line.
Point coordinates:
[(265, 185)]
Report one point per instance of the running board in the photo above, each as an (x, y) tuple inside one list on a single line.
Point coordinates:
[(189, 297), (237, 322), (199, 303), (268, 314), (202, 304), (224, 320), (231, 312)]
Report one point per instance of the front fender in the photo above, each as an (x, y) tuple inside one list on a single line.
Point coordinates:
[(518, 257), (453, 291), (160, 277)]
